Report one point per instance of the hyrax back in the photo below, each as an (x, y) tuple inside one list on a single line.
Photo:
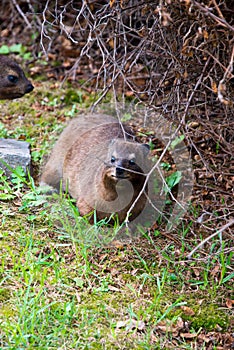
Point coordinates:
[(13, 83), (100, 165), (53, 170)]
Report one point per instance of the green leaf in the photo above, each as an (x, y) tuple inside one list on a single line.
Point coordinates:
[(3, 130), (6, 196), (172, 180), (165, 166), (4, 50), (176, 141), (27, 56), (16, 48), (228, 278)]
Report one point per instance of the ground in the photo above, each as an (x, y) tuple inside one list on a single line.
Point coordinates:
[(62, 288), (65, 284)]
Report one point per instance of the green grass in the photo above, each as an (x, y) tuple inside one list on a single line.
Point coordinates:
[(65, 285)]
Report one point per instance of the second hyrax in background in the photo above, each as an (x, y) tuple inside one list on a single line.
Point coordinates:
[(13, 83), (101, 166)]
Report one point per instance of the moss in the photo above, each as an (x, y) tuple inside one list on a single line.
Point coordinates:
[(4, 293), (209, 317), (6, 311), (72, 95)]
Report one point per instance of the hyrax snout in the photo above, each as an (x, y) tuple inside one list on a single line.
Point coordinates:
[(13, 83), (101, 166)]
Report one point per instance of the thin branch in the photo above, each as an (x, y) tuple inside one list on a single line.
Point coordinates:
[(207, 12), (223, 228), (21, 13)]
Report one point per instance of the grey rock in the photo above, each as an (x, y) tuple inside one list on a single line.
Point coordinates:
[(14, 153)]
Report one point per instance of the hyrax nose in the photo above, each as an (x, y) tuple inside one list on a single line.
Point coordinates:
[(119, 171), (29, 88)]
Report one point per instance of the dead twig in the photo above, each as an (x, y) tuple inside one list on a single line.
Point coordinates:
[(223, 228)]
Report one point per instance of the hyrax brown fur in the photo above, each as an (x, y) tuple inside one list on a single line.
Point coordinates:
[(13, 83), (101, 166)]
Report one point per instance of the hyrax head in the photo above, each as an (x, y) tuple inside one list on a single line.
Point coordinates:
[(126, 160), (13, 83)]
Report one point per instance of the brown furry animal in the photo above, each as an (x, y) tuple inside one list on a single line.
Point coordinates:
[(13, 83), (100, 165)]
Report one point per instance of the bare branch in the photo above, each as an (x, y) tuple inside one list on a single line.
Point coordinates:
[(223, 228)]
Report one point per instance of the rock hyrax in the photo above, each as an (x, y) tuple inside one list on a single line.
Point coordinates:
[(101, 166), (13, 83)]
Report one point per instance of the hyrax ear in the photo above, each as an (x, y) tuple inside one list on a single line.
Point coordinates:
[(145, 148)]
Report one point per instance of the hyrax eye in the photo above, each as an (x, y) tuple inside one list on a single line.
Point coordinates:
[(13, 78), (132, 161), (112, 159)]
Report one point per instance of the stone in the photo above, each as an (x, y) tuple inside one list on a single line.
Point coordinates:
[(14, 153)]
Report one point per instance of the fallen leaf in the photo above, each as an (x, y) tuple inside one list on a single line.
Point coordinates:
[(187, 310), (204, 337), (113, 289), (188, 335), (215, 270), (131, 324), (229, 303), (168, 326)]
